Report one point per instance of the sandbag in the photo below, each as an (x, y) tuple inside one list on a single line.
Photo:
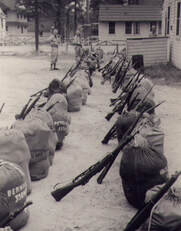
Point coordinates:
[(14, 148), (141, 168), (37, 135), (13, 194), (56, 102), (82, 80), (46, 118), (74, 97), (57, 107), (166, 215)]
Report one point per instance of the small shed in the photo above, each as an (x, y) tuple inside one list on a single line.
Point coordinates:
[(153, 50)]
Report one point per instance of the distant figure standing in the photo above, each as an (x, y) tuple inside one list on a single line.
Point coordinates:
[(54, 42), (78, 46)]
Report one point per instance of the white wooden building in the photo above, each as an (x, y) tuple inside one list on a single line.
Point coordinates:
[(119, 22), (2, 27), (16, 22), (171, 19)]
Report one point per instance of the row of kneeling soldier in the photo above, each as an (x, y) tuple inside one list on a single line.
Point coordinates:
[(28, 146)]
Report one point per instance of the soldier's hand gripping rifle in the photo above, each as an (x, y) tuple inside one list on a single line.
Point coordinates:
[(129, 131), (83, 178), (143, 214), (11, 216)]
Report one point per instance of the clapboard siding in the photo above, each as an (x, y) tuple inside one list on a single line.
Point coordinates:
[(174, 40), (154, 50)]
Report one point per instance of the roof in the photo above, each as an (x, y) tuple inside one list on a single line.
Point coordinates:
[(129, 13), (7, 4)]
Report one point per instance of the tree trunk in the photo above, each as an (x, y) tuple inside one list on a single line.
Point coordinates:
[(36, 26), (58, 16), (75, 17)]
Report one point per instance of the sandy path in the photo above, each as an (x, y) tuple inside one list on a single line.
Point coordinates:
[(92, 207)]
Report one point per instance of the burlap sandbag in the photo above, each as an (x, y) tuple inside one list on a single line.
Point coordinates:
[(74, 97), (57, 107), (46, 118), (83, 82), (166, 215), (37, 135), (141, 168), (13, 194), (14, 148)]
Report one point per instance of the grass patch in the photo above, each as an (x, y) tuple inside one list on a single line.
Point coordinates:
[(164, 73)]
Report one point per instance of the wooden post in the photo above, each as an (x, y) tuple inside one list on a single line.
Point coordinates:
[(36, 26)]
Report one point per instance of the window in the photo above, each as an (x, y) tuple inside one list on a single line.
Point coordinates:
[(111, 27), (128, 27), (178, 19), (136, 28), (168, 21), (159, 27), (133, 2), (22, 29)]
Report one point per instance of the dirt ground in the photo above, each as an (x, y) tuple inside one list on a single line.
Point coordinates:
[(91, 207)]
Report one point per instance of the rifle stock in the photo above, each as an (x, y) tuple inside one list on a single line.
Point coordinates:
[(109, 116), (109, 134), (60, 193)]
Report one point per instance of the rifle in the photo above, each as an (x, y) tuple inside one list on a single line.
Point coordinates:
[(113, 101), (110, 133), (39, 92), (21, 115), (28, 110), (120, 106), (106, 169), (2, 107), (84, 177), (11, 216), (142, 215), (121, 78), (69, 71), (105, 66)]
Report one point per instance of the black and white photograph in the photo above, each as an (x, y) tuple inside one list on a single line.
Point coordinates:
[(90, 115)]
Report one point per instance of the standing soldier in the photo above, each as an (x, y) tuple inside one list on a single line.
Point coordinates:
[(78, 46), (54, 43)]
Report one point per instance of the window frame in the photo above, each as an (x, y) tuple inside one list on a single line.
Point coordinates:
[(168, 20), (178, 18), (128, 27), (112, 27), (136, 28)]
